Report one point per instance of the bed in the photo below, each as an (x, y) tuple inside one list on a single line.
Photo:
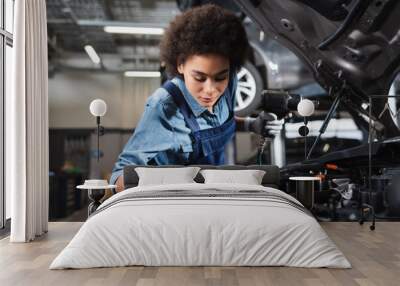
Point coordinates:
[(198, 224)]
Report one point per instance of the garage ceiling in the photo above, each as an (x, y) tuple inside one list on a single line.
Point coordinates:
[(72, 24)]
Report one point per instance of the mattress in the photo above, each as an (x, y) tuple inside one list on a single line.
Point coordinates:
[(201, 225)]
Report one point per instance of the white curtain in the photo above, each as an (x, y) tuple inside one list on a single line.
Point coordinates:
[(27, 123)]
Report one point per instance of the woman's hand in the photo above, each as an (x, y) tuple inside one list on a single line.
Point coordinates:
[(120, 184)]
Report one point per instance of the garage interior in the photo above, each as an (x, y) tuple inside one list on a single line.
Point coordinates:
[(272, 74), (341, 160)]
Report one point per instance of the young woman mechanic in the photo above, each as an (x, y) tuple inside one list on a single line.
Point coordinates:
[(190, 119)]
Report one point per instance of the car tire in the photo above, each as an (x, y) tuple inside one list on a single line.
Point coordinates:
[(248, 92)]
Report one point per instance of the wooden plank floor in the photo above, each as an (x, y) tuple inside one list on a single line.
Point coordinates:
[(375, 257)]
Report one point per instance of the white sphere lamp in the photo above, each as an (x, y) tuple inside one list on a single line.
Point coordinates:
[(98, 107), (305, 107)]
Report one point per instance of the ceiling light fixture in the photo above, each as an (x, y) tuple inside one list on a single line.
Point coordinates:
[(142, 74), (92, 54), (133, 30)]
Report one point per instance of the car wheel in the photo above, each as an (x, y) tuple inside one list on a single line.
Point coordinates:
[(394, 102), (248, 93)]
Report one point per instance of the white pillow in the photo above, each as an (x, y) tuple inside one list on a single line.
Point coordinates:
[(249, 177), (164, 176)]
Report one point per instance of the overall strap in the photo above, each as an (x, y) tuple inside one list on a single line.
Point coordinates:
[(183, 106)]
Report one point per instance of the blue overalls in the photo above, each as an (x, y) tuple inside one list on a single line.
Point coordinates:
[(208, 144)]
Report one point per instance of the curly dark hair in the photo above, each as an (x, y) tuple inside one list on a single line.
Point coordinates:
[(204, 30)]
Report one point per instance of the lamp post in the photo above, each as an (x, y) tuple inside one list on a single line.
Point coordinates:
[(305, 108), (98, 108), (96, 188)]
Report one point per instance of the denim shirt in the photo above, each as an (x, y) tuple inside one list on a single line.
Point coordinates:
[(161, 137)]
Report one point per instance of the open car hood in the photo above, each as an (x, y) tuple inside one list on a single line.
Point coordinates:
[(351, 46)]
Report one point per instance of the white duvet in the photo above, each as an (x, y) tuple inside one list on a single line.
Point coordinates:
[(183, 231)]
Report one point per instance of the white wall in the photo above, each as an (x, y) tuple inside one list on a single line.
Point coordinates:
[(70, 94)]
